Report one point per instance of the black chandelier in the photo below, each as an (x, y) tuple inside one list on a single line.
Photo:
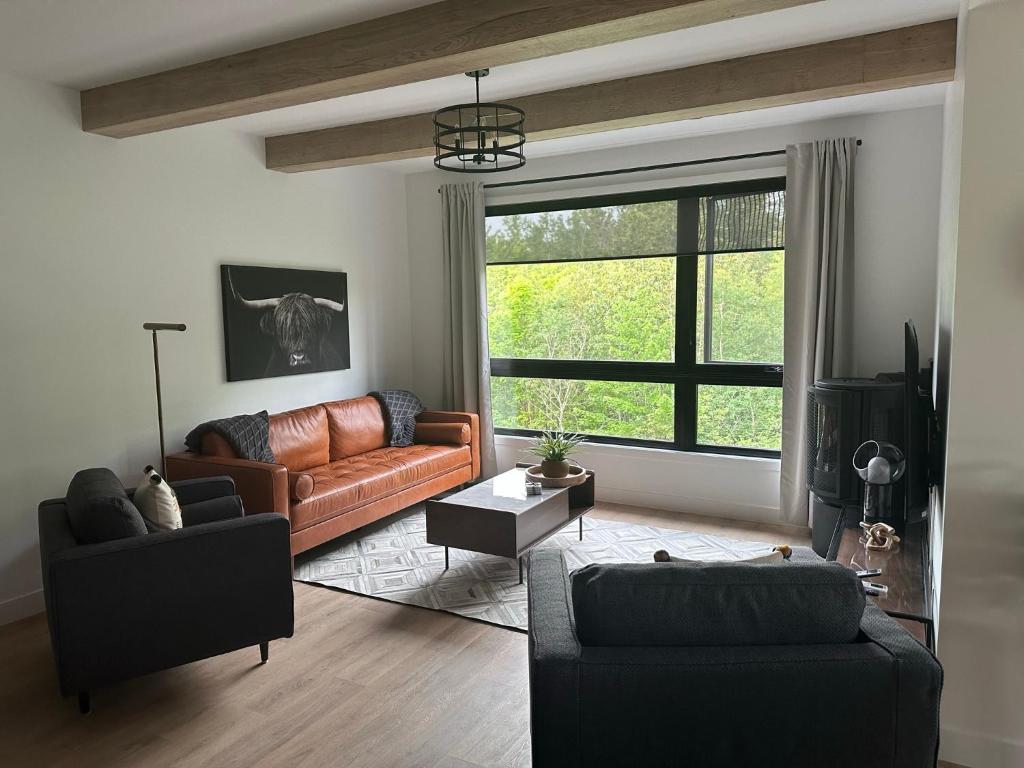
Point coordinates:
[(481, 137)]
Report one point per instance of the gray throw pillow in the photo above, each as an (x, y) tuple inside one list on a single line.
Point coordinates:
[(400, 407), (99, 509)]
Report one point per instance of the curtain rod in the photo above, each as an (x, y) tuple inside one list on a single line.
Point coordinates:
[(637, 169)]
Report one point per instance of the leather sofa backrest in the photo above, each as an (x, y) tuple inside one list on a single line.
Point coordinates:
[(355, 426), (299, 438), (214, 444)]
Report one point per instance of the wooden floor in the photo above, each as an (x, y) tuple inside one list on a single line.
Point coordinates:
[(362, 683)]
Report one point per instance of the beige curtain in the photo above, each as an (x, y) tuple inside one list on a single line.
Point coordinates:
[(466, 363), (818, 295)]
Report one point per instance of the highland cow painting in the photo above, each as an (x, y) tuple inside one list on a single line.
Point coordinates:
[(280, 322)]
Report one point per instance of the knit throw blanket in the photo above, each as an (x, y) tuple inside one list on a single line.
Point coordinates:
[(248, 435), (401, 408)]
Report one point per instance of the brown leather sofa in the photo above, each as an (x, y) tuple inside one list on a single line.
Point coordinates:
[(335, 470)]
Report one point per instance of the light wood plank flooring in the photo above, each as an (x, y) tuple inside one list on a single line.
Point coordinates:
[(363, 684)]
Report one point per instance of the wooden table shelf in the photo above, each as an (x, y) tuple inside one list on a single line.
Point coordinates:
[(906, 571)]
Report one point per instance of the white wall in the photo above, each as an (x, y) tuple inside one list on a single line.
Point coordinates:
[(99, 235), (981, 639), (952, 138), (897, 202)]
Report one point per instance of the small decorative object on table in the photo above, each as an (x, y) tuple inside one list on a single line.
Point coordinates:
[(879, 536), (879, 465), (554, 449), (577, 476)]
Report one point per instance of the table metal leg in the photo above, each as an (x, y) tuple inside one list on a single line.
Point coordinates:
[(520, 570), (581, 527), (446, 558)]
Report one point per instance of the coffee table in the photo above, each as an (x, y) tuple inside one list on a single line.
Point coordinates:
[(496, 517)]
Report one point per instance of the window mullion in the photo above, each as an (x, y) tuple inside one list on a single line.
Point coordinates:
[(687, 241), (709, 278)]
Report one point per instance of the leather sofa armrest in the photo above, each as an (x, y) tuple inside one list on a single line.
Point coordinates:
[(460, 417), (443, 433), (263, 487)]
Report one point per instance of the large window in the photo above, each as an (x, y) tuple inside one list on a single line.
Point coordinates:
[(648, 318)]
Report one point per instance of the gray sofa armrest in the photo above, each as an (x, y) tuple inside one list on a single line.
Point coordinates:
[(199, 489), (919, 684), (554, 663), (137, 605), (212, 510)]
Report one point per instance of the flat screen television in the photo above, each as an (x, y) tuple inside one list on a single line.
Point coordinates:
[(917, 415)]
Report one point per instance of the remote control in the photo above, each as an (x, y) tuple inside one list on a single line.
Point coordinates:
[(869, 572), (874, 588)]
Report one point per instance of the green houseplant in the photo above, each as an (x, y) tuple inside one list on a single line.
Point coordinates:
[(553, 448)]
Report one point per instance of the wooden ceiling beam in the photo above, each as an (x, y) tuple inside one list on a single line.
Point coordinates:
[(436, 40), (897, 58)]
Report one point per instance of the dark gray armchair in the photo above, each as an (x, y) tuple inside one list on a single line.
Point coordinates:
[(723, 666), (132, 602)]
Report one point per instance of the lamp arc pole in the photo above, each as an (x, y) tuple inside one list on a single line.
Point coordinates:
[(154, 327)]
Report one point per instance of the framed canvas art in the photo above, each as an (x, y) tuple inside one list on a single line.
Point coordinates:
[(282, 322)]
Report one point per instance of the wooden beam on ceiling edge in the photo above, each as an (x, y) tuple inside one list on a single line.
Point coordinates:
[(436, 40), (898, 58)]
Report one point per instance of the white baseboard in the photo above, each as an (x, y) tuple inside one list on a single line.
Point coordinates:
[(979, 750), (21, 607)]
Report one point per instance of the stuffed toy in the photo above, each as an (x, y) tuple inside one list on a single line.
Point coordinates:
[(777, 555)]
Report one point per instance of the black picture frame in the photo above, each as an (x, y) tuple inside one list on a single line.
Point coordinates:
[(283, 322)]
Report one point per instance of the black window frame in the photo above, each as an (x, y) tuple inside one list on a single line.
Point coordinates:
[(684, 372)]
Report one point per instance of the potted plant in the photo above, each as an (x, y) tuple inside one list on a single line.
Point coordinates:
[(553, 449)]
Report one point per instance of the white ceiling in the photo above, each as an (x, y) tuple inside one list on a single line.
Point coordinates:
[(83, 43)]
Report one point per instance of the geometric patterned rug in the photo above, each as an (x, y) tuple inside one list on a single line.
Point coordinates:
[(392, 561)]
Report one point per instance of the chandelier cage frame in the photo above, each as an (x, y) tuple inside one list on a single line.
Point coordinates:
[(479, 137)]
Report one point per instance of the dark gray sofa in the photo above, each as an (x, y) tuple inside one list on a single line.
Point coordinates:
[(648, 664), (143, 602)]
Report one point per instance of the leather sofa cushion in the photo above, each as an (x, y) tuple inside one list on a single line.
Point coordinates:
[(357, 480), (356, 426), (442, 433), (99, 510), (676, 604), (299, 438)]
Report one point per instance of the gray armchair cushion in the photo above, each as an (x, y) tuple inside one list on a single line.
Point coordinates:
[(99, 510), (719, 604)]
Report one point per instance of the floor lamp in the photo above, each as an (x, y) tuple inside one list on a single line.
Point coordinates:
[(154, 327)]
